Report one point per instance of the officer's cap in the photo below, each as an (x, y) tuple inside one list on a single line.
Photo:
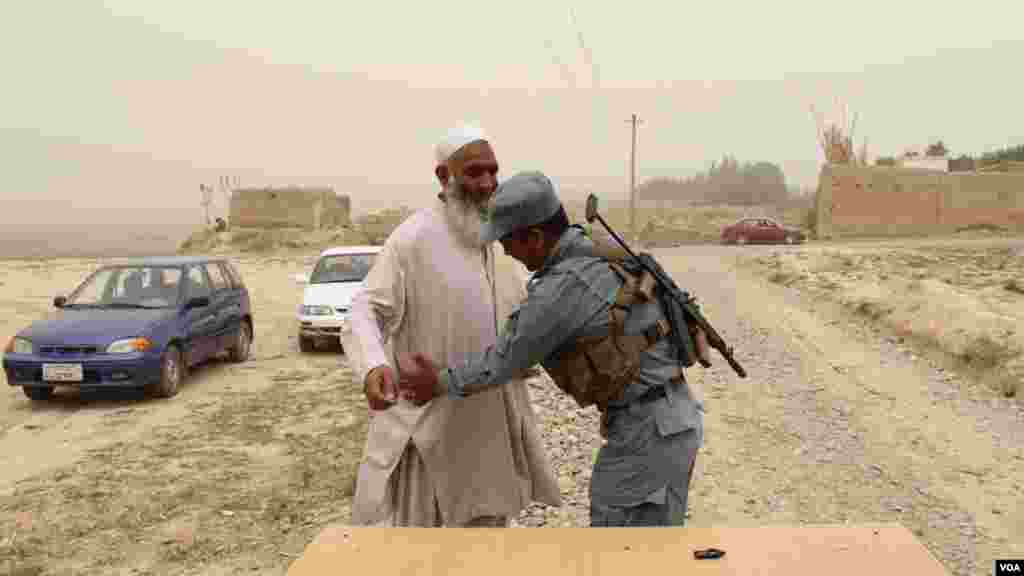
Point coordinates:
[(525, 199)]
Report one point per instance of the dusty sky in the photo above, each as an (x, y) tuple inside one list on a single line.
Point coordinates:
[(114, 112)]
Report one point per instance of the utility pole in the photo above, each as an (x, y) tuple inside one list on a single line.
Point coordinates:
[(206, 193), (635, 121)]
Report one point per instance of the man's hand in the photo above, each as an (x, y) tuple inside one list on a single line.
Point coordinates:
[(380, 388), (419, 381)]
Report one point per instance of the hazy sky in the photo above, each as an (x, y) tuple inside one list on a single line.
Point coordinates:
[(129, 105)]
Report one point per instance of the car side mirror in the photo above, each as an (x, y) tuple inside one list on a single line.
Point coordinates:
[(197, 302), (59, 302)]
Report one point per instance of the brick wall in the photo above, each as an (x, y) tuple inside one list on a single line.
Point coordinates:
[(869, 201)]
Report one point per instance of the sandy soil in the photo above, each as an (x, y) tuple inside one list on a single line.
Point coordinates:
[(237, 473), (838, 422)]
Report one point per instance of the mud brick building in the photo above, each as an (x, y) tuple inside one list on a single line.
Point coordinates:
[(289, 207)]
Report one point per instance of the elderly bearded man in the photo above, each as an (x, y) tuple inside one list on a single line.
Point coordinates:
[(605, 341), (438, 288)]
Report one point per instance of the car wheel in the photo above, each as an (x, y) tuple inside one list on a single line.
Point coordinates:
[(171, 373), (243, 343), (38, 393), (741, 239), (306, 344), (790, 239)]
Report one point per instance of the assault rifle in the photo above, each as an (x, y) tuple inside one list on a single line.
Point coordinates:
[(690, 310)]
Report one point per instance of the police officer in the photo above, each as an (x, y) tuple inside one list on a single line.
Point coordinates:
[(603, 339)]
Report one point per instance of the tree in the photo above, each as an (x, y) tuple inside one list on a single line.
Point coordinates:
[(726, 182), (938, 149), (1012, 154)]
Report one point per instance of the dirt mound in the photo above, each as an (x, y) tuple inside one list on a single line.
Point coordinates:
[(264, 240), (371, 229), (378, 226)]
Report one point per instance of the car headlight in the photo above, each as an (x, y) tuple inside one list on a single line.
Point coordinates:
[(129, 345), (317, 310), (19, 346)]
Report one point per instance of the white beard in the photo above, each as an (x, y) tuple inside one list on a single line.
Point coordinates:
[(463, 217)]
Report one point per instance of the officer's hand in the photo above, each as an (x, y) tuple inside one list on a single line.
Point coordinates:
[(532, 372), (418, 383), (379, 388)]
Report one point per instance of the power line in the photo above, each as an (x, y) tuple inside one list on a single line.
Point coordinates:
[(567, 75), (588, 56), (206, 194)]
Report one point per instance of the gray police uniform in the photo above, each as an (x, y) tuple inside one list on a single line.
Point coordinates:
[(642, 473)]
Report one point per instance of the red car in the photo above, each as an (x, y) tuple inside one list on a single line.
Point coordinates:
[(760, 231)]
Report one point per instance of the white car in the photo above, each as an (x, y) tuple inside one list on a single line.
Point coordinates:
[(338, 274)]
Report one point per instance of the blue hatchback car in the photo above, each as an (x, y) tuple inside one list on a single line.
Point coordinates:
[(142, 324)]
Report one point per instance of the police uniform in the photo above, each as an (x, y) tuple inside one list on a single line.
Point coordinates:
[(580, 313)]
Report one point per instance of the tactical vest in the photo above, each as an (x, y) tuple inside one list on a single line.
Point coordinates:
[(596, 370)]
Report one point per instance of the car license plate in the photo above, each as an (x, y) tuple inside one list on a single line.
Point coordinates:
[(62, 372)]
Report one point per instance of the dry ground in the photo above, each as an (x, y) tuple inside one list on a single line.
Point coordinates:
[(961, 302), (838, 422), (238, 471)]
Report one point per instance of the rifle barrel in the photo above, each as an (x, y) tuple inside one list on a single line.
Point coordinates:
[(616, 236)]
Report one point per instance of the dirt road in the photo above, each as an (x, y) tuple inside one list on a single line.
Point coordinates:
[(836, 423)]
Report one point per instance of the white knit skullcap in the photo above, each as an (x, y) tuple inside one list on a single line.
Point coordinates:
[(455, 139)]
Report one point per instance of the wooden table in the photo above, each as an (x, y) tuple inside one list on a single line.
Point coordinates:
[(833, 550)]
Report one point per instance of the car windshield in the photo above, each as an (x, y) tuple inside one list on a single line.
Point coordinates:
[(128, 287), (342, 268)]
